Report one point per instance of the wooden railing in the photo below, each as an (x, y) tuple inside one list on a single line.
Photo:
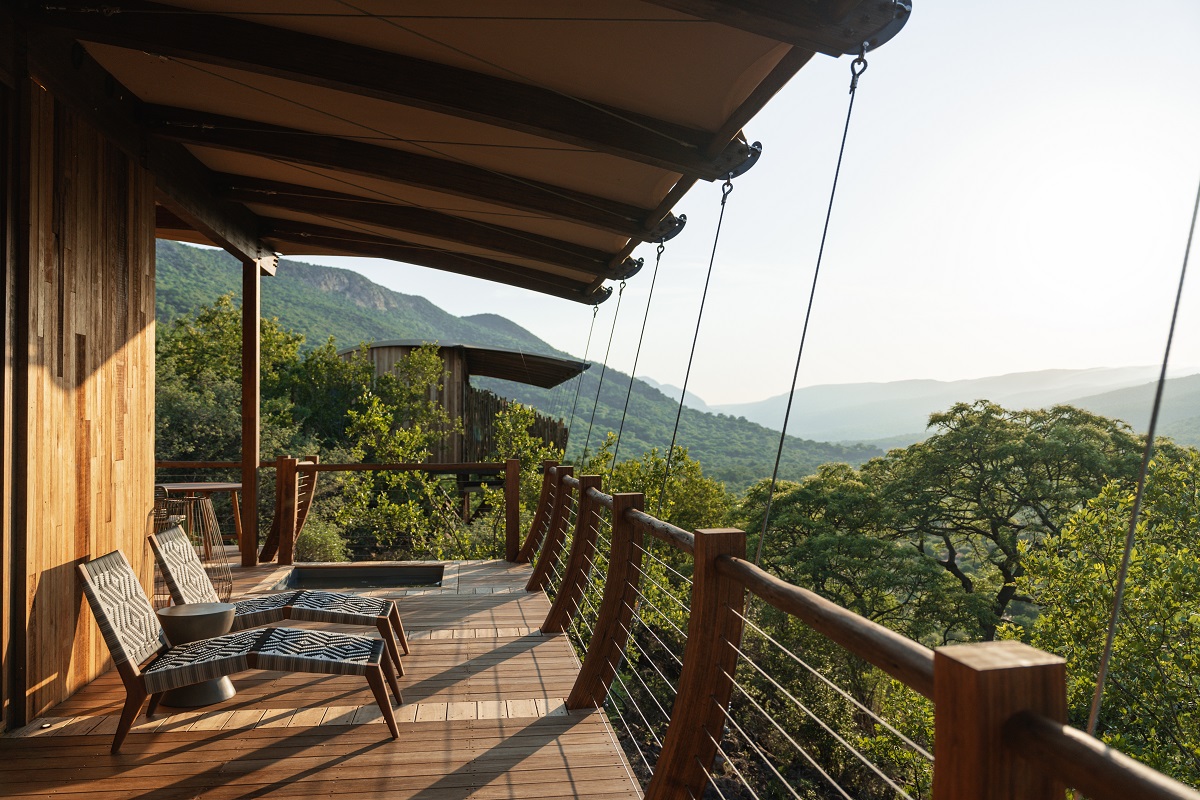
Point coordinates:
[(1000, 707), (295, 485), (291, 474)]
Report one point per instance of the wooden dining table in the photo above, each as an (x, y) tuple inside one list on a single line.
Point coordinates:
[(206, 488)]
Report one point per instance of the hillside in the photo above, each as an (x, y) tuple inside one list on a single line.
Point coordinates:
[(1177, 418), (322, 301)]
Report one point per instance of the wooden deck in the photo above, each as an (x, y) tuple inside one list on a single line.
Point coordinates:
[(483, 717)]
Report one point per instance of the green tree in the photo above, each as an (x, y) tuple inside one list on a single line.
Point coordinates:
[(686, 498), (1150, 710), (399, 420), (198, 386), (324, 387), (209, 343), (990, 478), (514, 439), (829, 533)]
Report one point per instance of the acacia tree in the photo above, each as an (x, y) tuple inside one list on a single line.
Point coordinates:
[(989, 479)]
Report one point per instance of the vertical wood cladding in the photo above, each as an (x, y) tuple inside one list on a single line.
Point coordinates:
[(449, 450), (9, 595), (89, 311)]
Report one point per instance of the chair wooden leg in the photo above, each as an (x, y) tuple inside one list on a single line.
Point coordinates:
[(389, 641), (398, 626), (154, 700), (133, 705), (375, 680), (390, 674)]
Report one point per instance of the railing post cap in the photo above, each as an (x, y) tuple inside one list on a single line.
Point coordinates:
[(1004, 654)]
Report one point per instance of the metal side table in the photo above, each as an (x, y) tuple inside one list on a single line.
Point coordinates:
[(192, 622)]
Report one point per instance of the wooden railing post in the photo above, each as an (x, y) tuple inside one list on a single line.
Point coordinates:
[(977, 688), (512, 508), (541, 517), (579, 560), (615, 616), (709, 661), (555, 532), (286, 491)]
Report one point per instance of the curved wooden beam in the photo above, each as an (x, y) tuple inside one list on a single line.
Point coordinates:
[(398, 166), (412, 219), (316, 238)]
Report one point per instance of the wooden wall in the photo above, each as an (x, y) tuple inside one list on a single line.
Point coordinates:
[(82, 313), (8, 246)]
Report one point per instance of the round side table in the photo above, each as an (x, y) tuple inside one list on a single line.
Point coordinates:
[(192, 622)]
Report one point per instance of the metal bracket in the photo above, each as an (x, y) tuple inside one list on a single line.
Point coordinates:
[(901, 11), (628, 268), (667, 228), (753, 152), (597, 297), (738, 157)]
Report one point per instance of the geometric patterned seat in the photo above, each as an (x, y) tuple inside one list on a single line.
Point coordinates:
[(149, 665), (188, 582)]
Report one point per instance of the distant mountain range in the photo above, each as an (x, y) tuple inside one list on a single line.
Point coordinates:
[(320, 302), (895, 414)]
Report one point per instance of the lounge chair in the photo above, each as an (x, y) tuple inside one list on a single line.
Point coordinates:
[(189, 583), (149, 665)]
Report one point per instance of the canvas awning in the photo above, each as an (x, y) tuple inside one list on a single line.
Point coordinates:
[(531, 142)]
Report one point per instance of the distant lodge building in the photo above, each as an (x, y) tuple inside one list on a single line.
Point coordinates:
[(477, 408)]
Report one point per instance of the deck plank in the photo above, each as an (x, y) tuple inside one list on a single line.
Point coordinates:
[(484, 718)]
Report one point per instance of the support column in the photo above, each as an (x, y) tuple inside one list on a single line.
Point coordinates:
[(251, 373)]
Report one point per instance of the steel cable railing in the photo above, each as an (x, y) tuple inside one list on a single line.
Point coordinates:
[(859, 706), (799, 690)]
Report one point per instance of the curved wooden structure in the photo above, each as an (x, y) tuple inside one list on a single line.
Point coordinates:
[(565, 497), (295, 487)]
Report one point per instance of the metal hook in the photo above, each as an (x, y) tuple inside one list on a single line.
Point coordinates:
[(726, 188), (857, 67), (659, 251)]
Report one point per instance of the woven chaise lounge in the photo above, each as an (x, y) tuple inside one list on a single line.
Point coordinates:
[(189, 583), (149, 665)]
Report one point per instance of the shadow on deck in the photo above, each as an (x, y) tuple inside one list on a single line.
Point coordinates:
[(483, 717)]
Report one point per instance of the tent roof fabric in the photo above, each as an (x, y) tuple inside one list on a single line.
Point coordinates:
[(531, 142)]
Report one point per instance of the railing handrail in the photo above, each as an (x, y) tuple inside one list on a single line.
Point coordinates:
[(476, 468), (1086, 763), (907, 661), (664, 531), (206, 464), (600, 498)]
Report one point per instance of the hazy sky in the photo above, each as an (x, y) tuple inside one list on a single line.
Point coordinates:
[(1015, 196)]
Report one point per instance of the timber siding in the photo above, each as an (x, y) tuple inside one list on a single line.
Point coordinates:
[(84, 435)]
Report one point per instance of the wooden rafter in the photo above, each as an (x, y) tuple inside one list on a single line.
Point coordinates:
[(66, 69), (399, 166), (409, 81), (316, 237), (411, 219)]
